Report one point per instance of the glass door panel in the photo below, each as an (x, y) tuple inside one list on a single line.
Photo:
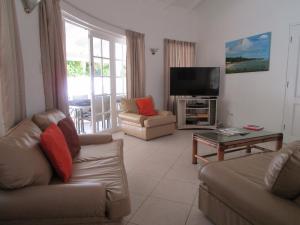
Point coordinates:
[(120, 68), (78, 76), (101, 79)]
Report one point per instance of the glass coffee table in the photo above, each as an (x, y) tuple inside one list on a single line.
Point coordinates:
[(226, 144)]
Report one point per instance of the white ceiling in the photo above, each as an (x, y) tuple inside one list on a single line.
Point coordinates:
[(186, 4)]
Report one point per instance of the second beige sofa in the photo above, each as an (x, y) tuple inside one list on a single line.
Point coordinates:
[(233, 192)]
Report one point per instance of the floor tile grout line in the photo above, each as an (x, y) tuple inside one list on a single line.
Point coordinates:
[(189, 214), (151, 193), (163, 177), (190, 211)]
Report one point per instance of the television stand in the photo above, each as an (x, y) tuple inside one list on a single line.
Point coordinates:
[(197, 112)]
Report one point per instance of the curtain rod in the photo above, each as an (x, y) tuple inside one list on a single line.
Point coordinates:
[(96, 18)]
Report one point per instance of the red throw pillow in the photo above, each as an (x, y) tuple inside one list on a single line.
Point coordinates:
[(55, 147), (68, 129), (145, 106)]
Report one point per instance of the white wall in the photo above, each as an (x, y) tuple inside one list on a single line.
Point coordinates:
[(151, 18), (249, 97), (30, 43)]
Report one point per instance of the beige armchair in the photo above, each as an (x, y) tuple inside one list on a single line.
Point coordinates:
[(145, 127)]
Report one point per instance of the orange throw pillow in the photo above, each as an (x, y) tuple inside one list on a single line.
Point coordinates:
[(145, 106), (56, 149)]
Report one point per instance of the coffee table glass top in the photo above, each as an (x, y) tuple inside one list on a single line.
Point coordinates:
[(217, 137)]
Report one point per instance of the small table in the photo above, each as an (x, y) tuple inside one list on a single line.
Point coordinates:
[(236, 143)]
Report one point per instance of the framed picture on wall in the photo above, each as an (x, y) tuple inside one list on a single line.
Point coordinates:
[(251, 54)]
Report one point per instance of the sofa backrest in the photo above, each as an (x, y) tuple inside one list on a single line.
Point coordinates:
[(44, 119), (22, 162)]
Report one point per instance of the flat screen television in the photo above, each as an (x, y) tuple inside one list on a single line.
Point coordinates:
[(194, 81)]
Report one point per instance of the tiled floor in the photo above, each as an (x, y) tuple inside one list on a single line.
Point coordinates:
[(163, 182)]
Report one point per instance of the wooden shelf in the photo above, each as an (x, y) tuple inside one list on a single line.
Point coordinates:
[(196, 108), (203, 116)]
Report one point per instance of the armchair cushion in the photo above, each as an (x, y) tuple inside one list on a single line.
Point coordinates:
[(161, 119), (165, 113), (94, 139), (128, 106), (53, 202), (132, 117)]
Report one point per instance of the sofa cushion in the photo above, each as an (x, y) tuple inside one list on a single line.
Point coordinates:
[(145, 106), (97, 151), (44, 119), (68, 128), (158, 120), (55, 147), (128, 105), (282, 176), (104, 164), (94, 139), (22, 162), (239, 183), (53, 204)]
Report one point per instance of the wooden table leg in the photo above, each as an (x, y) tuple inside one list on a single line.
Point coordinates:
[(195, 151), (279, 143), (220, 153), (248, 149)]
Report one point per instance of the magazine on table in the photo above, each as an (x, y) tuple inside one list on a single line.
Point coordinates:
[(232, 131)]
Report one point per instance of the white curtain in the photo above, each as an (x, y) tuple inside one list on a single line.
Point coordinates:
[(53, 55), (12, 88), (135, 64), (176, 54)]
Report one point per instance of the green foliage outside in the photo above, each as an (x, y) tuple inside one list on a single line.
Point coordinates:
[(78, 68)]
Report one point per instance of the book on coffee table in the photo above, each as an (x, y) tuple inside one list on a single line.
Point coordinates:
[(253, 127)]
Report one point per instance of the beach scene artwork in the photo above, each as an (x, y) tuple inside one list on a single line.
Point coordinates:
[(249, 54)]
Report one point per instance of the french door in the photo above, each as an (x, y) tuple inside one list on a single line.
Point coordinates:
[(108, 78), (96, 77)]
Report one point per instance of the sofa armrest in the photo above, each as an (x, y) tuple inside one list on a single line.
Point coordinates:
[(94, 139), (132, 117), (53, 202), (165, 113)]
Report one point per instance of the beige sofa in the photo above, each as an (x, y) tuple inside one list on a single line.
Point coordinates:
[(233, 192), (145, 127), (96, 194)]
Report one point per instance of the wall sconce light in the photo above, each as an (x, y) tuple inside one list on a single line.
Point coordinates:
[(29, 5), (154, 50)]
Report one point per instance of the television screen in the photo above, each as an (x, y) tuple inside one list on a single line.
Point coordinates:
[(201, 81)]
